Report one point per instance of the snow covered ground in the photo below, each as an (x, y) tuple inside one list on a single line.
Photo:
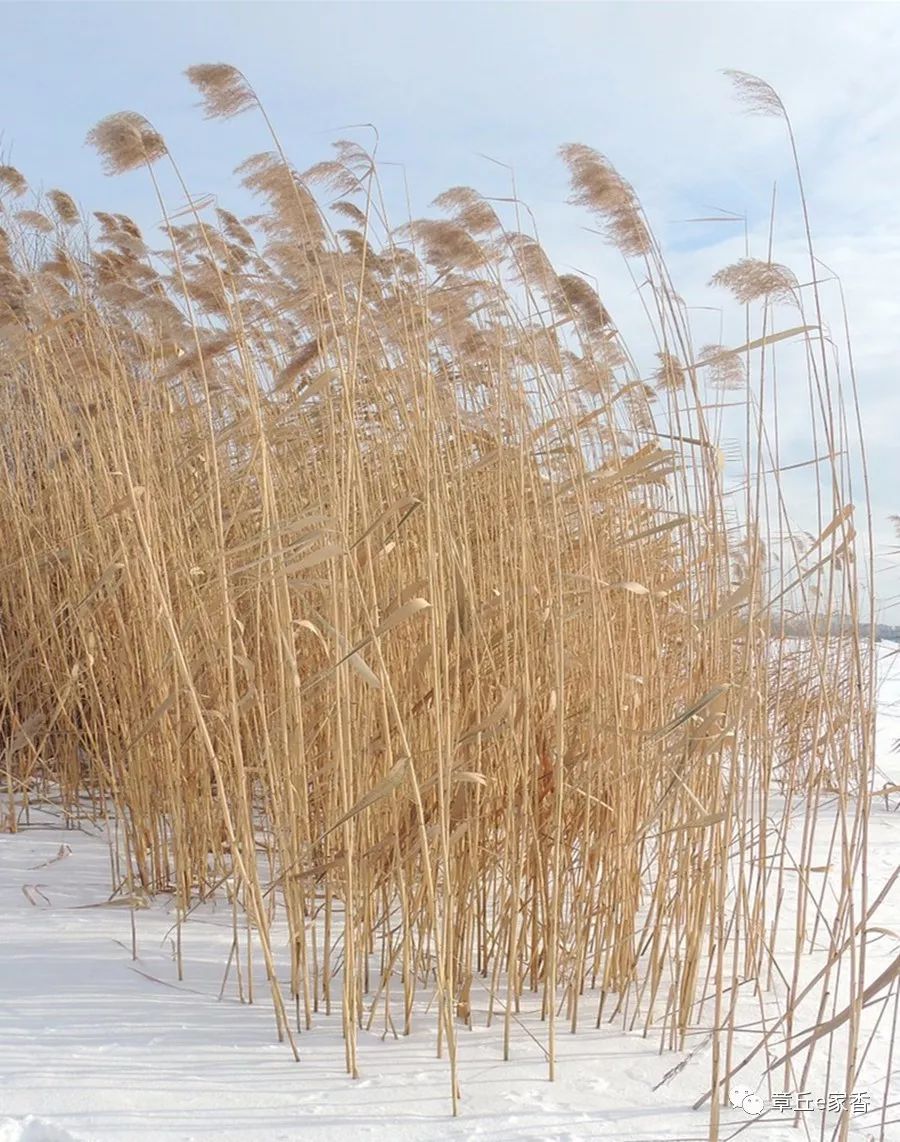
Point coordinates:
[(96, 1046)]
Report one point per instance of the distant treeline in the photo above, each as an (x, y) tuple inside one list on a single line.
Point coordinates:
[(802, 627)]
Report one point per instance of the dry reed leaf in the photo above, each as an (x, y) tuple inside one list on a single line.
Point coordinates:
[(467, 776), (632, 588), (489, 458), (30, 891), (412, 590), (421, 660), (26, 733), (110, 578), (282, 533), (305, 624), (363, 669), (158, 714), (805, 574), (329, 551), (125, 502), (317, 871), (649, 532), (735, 599), (709, 696), (128, 901), (280, 553), (404, 506), (774, 338), (62, 852), (351, 656), (840, 517), (492, 721), (697, 823), (401, 614), (383, 789), (193, 207), (748, 347), (318, 385)]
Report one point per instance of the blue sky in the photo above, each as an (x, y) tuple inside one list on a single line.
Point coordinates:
[(447, 84)]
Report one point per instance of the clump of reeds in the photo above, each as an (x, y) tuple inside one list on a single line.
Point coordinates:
[(359, 566)]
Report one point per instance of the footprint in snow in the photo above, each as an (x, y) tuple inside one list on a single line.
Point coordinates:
[(598, 1086)]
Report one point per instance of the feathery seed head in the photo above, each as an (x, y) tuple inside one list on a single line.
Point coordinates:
[(292, 207), (670, 375), (64, 205), (34, 220), (597, 185), (447, 245), (12, 180), (532, 264), (725, 368), (350, 210), (751, 278), (60, 265), (126, 141), (107, 221), (130, 227), (333, 175), (224, 89), (234, 229), (469, 209), (578, 295), (757, 96)]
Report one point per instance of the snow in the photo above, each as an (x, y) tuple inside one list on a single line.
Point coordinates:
[(98, 1047), (32, 1129)]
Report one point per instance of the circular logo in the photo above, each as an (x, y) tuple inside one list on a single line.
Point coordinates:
[(753, 1104), (737, 1094), (746, 1099)]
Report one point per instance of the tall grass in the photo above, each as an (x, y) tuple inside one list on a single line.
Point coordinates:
[(358, 568)]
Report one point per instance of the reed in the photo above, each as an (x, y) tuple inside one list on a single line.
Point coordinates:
[(358, 567)]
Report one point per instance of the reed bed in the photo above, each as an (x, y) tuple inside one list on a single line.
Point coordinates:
[(357, 568)]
